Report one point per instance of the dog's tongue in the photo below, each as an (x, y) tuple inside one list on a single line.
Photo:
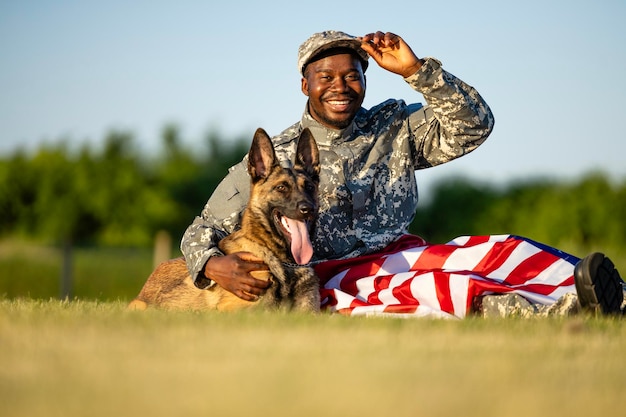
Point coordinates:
[(301, 247)]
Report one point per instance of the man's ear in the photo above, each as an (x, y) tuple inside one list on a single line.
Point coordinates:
[(304, 86), (261, 157)]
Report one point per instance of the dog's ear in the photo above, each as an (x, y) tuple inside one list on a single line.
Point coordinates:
[(261, 157), (308, 155)]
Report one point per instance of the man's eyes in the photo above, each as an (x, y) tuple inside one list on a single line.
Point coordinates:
[(349, 77)]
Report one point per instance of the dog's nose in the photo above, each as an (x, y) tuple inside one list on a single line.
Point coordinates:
[(305, 209)]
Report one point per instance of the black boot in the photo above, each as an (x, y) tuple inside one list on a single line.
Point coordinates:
[(598, 284)]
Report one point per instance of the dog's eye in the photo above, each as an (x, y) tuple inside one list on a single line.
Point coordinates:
[(309, 188), (282, 188)]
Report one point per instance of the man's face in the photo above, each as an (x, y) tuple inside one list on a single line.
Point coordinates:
[(335, 86)]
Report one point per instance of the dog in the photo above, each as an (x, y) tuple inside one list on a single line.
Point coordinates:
[(275, 227)]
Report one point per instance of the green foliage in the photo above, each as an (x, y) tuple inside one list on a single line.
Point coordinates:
[(117, 196), (457, 208), (17, 194), (114, 196), (189, 177), (587, 214)]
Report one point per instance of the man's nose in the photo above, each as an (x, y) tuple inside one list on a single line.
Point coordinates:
[(339, 84)]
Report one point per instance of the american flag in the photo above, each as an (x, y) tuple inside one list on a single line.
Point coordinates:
[(414, 278)]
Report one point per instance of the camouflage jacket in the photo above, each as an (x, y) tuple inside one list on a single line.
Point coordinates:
[(368, 191)]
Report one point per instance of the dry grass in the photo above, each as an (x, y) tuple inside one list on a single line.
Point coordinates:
[(103, 274), (97, 359)]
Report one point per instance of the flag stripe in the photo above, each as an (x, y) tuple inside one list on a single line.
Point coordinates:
[(413, 278)]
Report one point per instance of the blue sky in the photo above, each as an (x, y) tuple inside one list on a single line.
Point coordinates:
[(553, 73)]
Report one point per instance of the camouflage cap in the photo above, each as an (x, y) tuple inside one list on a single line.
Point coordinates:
[(323, 41)]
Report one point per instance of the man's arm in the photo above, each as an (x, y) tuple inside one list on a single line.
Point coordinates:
[(220, 217), (457, 119)]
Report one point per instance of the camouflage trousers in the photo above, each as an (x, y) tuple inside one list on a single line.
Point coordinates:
[(514, 305)]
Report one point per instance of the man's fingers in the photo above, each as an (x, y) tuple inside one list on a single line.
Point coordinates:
[(249, 262), (391, 39), (246, 296), (256, 286), (380, 39), (252, 290)]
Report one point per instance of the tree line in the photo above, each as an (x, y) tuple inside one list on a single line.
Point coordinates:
[(112, 196), (115, 195), (586, 213)]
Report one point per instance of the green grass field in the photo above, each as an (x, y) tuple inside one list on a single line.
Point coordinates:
[(103, 274), (98, 359), (92, 357)]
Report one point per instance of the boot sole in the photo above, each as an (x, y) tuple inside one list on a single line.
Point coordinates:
[(599, 291)]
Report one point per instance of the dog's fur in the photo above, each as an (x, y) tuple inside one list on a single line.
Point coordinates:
[(276, 192)]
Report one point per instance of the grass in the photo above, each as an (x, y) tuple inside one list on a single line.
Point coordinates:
[(89, 358), (92, 357), (104, 274)]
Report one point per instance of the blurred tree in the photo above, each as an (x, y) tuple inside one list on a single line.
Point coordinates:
[(189, 176), (116, 196), (59, 208), (458, 207), (111, 197), (18, 191), (587, 214), (124, 196), (598, 207), (518, 210)]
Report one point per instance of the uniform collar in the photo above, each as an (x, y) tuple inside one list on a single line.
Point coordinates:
[(323, 135)]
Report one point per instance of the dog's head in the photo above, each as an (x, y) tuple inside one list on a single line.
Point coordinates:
[(286, 197)]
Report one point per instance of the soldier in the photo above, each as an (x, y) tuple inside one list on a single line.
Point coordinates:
[(367, 261)]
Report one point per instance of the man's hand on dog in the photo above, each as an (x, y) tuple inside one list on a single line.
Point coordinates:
[(233, 273)]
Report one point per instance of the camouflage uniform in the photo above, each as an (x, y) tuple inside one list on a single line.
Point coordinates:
[(514, 305), (368, 191)]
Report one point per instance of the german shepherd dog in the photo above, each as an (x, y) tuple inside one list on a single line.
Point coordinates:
[(275, 226)]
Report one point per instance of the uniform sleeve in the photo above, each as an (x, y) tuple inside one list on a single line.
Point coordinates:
[(456, 120), (220, 217)]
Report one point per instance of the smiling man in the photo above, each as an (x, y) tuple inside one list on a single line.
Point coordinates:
[(335, 85), (367, 261)]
